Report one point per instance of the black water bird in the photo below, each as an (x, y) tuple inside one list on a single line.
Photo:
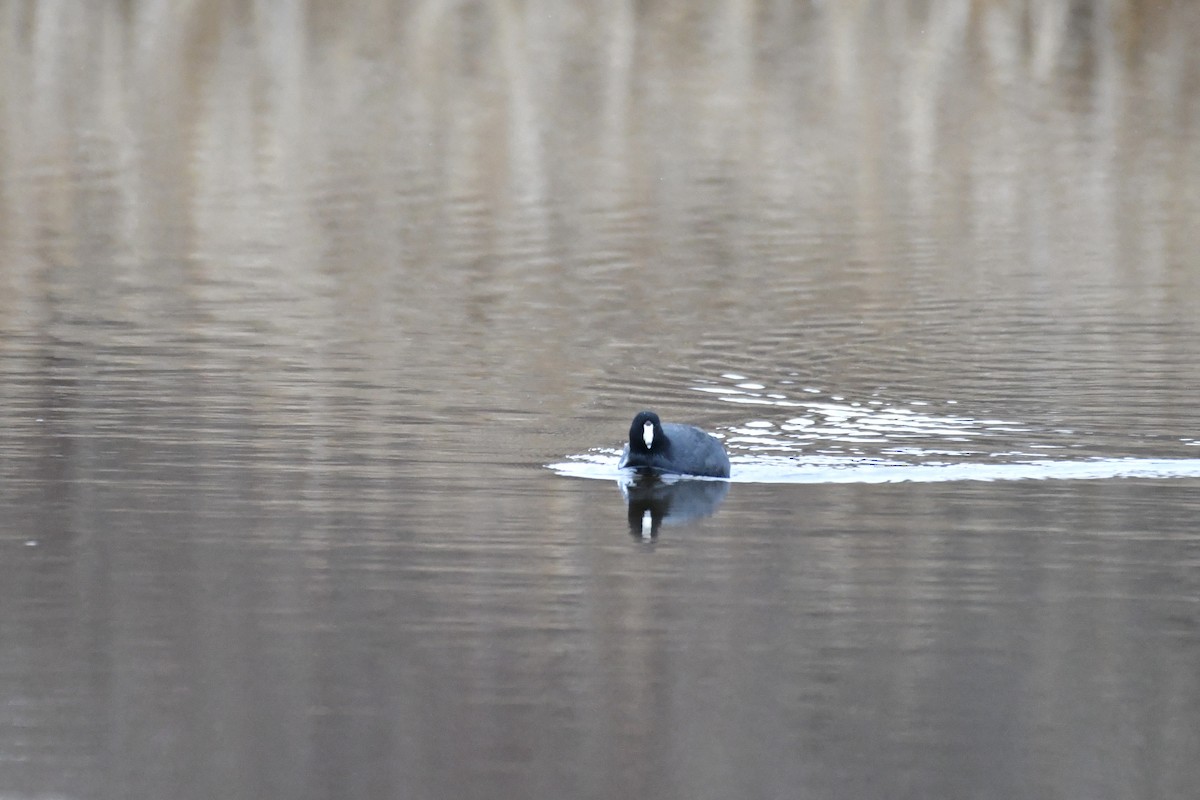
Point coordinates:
[(673, 448)]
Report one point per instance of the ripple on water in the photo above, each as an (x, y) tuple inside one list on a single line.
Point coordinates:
[(829, 439), (602, 465)]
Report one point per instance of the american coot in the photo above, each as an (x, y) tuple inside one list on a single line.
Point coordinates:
[(680, 449)]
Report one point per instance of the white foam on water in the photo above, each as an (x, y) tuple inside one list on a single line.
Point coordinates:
[(785, 470)]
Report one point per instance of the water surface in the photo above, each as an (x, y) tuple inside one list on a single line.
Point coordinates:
[(320, 330)]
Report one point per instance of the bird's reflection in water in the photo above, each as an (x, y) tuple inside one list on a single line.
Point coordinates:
[(655, 501)]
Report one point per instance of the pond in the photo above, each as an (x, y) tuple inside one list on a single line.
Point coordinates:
[(321, 333)]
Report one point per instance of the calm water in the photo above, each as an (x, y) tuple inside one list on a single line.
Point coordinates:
[(321, 327)]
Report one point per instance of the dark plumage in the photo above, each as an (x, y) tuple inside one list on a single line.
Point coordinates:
[(679, 449)]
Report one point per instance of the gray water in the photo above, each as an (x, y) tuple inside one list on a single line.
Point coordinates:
[(321, 328)]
